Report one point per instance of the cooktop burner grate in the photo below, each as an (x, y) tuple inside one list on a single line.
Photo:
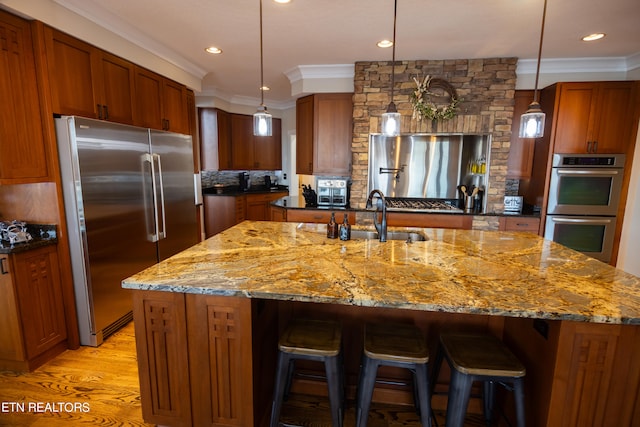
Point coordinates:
[(422, 205)]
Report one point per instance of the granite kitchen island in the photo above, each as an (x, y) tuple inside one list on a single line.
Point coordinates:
[(207, 319)]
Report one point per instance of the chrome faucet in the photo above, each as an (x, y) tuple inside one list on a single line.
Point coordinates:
[(381, 227)]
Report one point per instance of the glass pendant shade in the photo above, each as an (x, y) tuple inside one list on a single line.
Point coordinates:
[(391, 121), (532, 122), (262, 122)]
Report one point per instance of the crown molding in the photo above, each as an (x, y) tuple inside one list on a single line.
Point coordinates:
[(579, 65), (327, 71)]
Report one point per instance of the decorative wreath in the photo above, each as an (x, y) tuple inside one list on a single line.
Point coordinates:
[(424, 106)]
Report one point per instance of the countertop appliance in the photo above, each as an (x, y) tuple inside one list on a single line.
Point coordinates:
[(130, 202), (333, 191), (584, 195), (245, 181)]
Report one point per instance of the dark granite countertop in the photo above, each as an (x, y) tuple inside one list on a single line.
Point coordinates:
[(43, 235), (234, 190)]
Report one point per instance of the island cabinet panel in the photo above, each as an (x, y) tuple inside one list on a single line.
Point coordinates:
[(222, 326), (22, 147), (205, 360), (161, 343), (577, 373)]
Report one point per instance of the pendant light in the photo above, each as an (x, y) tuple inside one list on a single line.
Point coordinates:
[(532, 121), (391, 119), (262, 123)]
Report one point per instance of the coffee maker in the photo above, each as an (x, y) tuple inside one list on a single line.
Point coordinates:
[(245, 181)]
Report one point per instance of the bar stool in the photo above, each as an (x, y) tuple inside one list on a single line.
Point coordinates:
[(396, 345), (478, 357), (317, 340)]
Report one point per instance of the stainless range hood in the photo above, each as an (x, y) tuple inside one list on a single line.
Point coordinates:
[(428, 166)]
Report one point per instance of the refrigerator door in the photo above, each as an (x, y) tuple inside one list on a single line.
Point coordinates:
[(175, 193), (105, 189)]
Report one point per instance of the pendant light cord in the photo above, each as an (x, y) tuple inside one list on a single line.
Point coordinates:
[(393, 50), (544, 14), (261, 61)]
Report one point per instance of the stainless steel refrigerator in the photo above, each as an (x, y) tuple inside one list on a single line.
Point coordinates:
[(130, 201)]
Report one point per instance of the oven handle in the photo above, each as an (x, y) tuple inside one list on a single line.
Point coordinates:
[(587, 172), (580, 221)]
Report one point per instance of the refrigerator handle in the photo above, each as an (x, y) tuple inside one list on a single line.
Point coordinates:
[(150, 205), (162, 233)]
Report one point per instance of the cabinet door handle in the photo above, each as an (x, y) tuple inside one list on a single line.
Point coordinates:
[(588, 146), (3, 268), (106, 112), (99, 111), (595, 146)]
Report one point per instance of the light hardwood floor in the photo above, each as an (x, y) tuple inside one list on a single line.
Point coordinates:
[(103, 379), (103, 382)]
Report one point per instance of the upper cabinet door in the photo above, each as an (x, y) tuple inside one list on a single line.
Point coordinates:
[(594, 117), (22, 145), (174, 107), (86, 81), (114, 87), (148, 98), (324, 130), (160, 103), (71, 74)]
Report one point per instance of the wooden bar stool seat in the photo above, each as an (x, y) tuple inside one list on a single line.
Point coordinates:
[(396, 345), (309, 339), (478, 357)]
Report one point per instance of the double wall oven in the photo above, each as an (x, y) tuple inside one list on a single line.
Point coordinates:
[(584, 195)]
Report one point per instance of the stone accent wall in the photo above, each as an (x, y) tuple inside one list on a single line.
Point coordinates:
[(487, 87)]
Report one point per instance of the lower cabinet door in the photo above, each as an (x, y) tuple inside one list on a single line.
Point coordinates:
[(163, 367), (220, 356)]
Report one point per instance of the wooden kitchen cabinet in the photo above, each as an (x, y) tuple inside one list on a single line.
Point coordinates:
[(239, 339), (259, 205), (33, 327), (215, 139), (594, 117), (87, 81), (520, 223), (160, 103), (319, 216), (520, 163), (324, 130), (222, 212), (23, 149), (409, 219), (250, 152)]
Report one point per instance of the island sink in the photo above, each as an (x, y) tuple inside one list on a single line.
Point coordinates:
[(407, 236)]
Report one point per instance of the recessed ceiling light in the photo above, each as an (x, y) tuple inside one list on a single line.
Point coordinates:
[(265, 88), (385, 43), (282, 1), (214, 50), (592, 37)]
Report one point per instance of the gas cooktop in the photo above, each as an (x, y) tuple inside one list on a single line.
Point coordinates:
[(422, 205)]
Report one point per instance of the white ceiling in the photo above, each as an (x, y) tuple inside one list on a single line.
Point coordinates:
[(330, 32)]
